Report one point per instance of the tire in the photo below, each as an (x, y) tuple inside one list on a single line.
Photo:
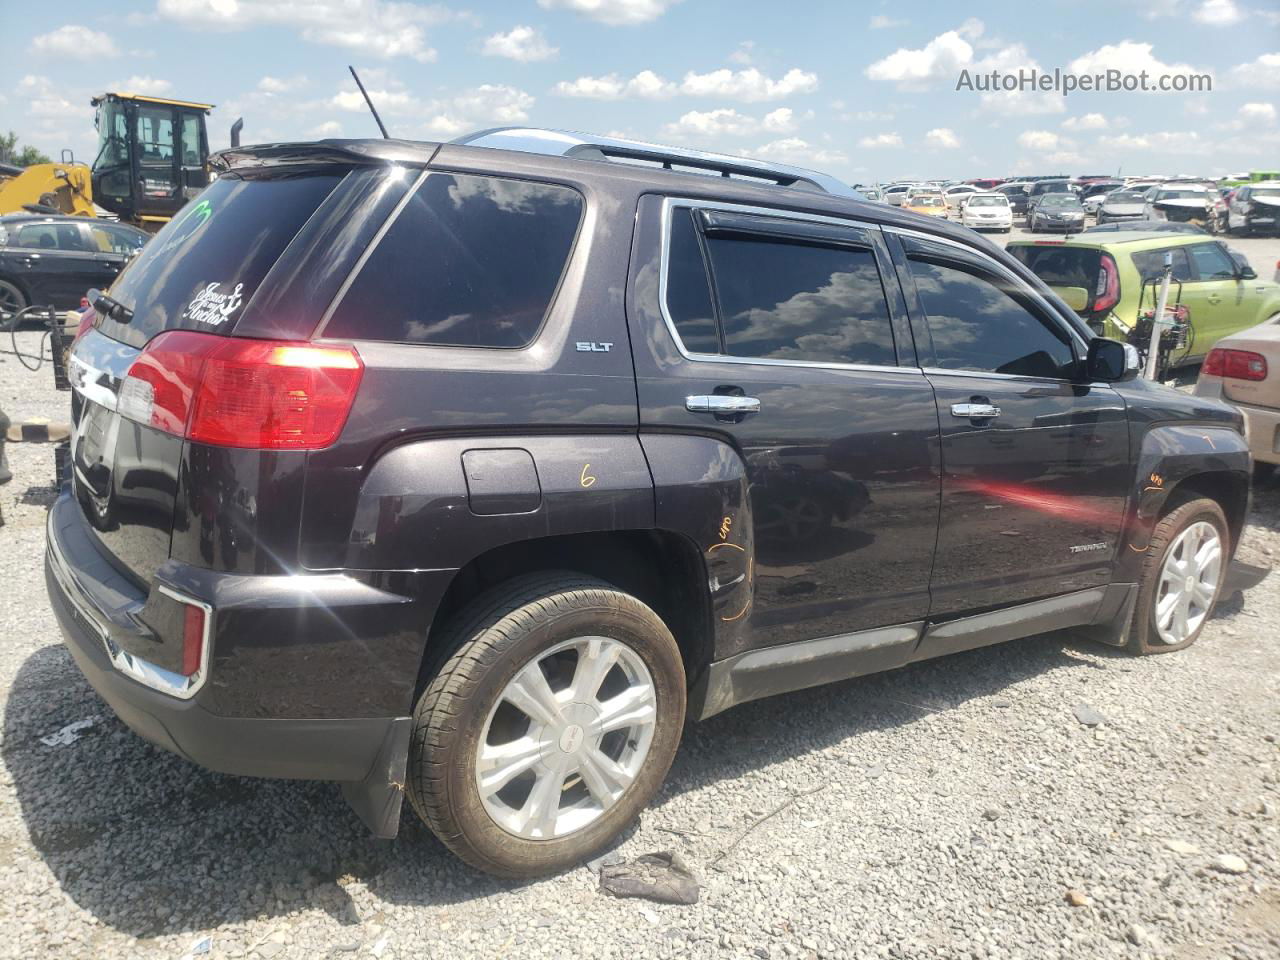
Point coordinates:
[(504, 633), (12, 300), (1144, 635)]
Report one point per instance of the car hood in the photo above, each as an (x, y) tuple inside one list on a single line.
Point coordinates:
[(1185, 203), (1122, 208), (1266, 201)]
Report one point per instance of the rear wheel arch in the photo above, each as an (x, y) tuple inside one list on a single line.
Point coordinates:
[(661, 568)]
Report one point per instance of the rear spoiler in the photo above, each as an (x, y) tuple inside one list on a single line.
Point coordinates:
[(408, 153)]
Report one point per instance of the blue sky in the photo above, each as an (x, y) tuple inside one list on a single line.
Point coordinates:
[(863, 90)]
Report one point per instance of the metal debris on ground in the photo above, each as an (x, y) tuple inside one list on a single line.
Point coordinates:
[(70, 733), (662, 877)]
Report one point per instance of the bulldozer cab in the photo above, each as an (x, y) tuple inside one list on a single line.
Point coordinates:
[(151, 156)]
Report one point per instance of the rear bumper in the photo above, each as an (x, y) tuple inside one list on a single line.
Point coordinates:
[(256, 740), (1262, 423)]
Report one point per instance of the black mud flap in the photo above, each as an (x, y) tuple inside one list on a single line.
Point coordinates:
[(1243, 576), (377, 798)]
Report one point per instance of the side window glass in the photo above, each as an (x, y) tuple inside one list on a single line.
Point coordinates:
[(1212, 262), (977, 323), (190, 140), (155, 148), (471, 261), (42, 236), (794, 301), (688, 291), (1150, 264)]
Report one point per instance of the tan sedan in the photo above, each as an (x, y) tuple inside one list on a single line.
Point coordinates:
[(1244, 369)]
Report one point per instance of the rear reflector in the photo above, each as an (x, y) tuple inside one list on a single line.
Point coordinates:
[(192, 639), (1235, 364), (233, 392)]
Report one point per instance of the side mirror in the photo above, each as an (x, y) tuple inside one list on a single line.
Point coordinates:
[(1110, 361), (1247, 273)]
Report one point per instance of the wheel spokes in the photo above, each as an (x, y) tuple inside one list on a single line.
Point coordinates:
[(595, 661), (530, 693), (541, 808), (499, 765), (632, 707), (605, 778)]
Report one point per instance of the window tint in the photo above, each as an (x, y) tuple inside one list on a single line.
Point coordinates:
[(52, 236), (471, 261), (1060, 266), (227, 240), (688, 293), (1150, 264), (1212, 262), (788, 301), (976, 324)]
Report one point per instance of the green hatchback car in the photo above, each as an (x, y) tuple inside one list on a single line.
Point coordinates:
[(1111, 281)]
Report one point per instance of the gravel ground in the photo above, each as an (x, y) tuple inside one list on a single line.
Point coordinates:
[(953, 809)]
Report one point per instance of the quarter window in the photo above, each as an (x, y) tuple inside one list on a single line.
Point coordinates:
[(979, 322), (470, 261)]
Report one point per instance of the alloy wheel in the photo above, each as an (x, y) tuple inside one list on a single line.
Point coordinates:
[(1188, 582), (567, 736)]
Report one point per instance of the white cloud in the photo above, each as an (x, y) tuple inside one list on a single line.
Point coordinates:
[(645, 85), (799, 152), (729, 122), (942, 137), (1218, 13), (1254, 112), (330, 128), (1263, 72), (1164, 142), (143, 84), (880, 140), (613, 12), (522, 43), (77, 41), (46, 102), (485, 105), (1041, 140), (389, 102), (377, 28), (743, 53), (881, 22), (1130, 57), (1011, 60), (1089, 121), (942, 58), (748, 85), (273, 85)]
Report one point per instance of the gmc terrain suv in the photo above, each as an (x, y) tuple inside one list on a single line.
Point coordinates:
[(469, 470)]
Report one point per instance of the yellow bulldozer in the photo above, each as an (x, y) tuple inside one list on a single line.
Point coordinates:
[(152, 157)]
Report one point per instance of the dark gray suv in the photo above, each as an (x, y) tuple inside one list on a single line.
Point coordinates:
[(471, 470)]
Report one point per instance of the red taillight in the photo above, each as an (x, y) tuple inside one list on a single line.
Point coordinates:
[(1235, 364), (192, 639), (230, 392), (1107, 293)]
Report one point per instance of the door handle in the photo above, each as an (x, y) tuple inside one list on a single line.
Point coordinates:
[(975, 411), (722, 403)]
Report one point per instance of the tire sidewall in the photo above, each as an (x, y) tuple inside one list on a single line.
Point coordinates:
[(622, 619), (1144, 637)]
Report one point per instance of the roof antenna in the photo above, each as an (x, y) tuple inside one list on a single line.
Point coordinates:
[(372, 109)]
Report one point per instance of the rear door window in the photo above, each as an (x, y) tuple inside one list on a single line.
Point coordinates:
[(471, 261), (199, 271), (688, 289)]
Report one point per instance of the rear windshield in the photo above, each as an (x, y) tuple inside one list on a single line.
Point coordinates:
[(989, 202), (199, 271), (1061, 266)]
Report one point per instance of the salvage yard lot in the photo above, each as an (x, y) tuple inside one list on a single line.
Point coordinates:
[(944, 810)]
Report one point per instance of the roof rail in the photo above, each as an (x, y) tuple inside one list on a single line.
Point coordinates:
[(583, 146)]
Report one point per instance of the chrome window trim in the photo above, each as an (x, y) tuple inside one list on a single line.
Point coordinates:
[(671, 203), (997, 267)]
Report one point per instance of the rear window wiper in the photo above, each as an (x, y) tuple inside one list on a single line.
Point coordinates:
[(114, 309)]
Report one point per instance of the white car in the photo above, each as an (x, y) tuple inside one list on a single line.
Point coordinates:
[(895, 193), (1180, 203), (987, 211), (955, 196)]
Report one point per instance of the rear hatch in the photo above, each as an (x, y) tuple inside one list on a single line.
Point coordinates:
[(201, 274), (1085, 278)]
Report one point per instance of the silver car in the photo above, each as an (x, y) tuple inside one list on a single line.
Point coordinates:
[(1122, 205)]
